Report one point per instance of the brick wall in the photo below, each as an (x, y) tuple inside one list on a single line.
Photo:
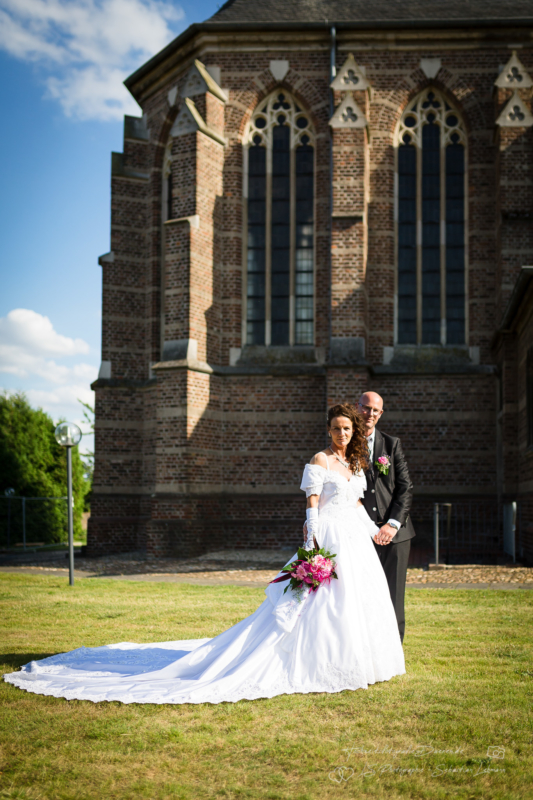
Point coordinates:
[(192, 455)]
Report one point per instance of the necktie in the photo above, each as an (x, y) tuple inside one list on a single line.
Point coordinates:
[(370, 448)]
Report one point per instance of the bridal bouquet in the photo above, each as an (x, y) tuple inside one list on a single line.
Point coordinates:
[(311, 569)]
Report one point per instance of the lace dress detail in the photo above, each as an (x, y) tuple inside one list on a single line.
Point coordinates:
[(342, 637), (338, 496)]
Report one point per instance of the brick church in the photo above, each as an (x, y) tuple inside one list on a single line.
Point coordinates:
[(320, 198)]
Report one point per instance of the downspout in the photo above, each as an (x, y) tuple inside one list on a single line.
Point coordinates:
[(332, 74)]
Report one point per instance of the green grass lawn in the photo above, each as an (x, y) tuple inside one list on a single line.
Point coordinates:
[(427, 734)]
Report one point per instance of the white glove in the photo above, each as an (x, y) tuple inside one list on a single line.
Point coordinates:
[(312, 527)]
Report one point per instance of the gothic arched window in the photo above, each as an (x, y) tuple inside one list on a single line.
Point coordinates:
[(279, 186), (431, 218)]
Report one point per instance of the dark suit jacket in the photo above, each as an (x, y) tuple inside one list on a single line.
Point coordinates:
[(393, 492)]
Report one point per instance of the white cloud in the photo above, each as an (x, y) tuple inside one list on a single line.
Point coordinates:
[(27, 340), (88, 47), (28, 329), (30, 349), (57, 401)]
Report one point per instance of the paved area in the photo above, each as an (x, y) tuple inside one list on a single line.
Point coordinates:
[(258, 567)]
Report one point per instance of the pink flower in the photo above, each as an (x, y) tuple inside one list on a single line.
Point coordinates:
[(322, 572), (321, 568), (384, 460), (300, 573)]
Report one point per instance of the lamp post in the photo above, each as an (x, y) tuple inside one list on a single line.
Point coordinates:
[(9, 493), (69, 435)]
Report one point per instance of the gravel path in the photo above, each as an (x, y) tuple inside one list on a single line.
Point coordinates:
[(258, 567)]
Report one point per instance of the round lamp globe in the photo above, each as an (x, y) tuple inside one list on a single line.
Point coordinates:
[(67, 434)]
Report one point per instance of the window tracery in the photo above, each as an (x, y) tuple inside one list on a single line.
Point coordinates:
[(279, 186), (431, 223)]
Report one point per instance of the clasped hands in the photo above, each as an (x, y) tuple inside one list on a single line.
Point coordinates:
[(384, 536)]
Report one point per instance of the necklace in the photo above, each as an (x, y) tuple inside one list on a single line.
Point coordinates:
[(339, 459)]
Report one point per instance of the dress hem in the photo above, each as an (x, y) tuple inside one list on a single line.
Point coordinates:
[(262, 695)]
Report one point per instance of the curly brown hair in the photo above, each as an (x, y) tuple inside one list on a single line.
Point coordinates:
[(357, 450)]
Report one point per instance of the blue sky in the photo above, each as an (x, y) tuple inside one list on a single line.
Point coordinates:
[(62, 63)]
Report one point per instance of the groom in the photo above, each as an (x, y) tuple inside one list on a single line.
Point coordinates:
[(387, 501)]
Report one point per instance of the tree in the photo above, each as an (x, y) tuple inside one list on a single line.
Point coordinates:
[(34, 465)]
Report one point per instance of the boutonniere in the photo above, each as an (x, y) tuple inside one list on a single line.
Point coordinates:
[(383, 464)]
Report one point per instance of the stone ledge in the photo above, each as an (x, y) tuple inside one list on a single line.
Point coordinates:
[(432, 360), (136, 128), (121, 383), (447, 369), (245, 369), (118, 170)]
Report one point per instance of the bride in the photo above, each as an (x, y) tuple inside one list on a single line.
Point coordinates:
[(343, 636)]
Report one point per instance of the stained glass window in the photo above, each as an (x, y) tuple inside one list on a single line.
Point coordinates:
[(407, 242), (304, 272), (255, 286), (280, 208), (431, 159)]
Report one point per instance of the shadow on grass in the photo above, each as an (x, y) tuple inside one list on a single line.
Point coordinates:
[(17, 660)]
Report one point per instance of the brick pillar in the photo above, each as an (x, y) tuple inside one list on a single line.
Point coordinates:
[(188, 430), (349, 297), (118, 513), (514, 197), (192, 247)]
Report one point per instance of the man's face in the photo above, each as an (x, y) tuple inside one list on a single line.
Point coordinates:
[(370, 406)]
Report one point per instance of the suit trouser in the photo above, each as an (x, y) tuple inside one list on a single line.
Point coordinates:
[(394, 559)]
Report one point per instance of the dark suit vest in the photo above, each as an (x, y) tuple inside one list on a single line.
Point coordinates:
[(369, 500), (383, 493)]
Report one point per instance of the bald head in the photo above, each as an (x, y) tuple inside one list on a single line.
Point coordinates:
[(370, 406)]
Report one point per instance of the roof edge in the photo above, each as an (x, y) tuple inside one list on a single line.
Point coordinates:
[(213, 27)]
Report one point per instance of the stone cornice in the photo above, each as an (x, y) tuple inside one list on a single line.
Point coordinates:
[(199, 38)]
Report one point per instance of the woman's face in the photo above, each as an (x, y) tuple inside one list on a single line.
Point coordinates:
[(341, 430)]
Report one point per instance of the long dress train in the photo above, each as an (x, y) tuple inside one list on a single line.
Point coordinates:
[(344, 636)]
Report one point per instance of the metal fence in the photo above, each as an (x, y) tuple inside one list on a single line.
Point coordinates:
[(30, 521), (474, 531)]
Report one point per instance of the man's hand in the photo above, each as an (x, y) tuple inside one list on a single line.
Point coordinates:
[(385, 534)]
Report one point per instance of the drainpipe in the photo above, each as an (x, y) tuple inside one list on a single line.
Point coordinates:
[(332, 73)]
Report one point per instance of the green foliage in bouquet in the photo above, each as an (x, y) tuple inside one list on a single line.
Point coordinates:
[(311, 569)]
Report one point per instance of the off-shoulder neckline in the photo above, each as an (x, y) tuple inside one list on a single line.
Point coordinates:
[(327, 469)]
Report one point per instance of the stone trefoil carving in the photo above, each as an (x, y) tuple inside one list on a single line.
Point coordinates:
[(515, 114), (350, 77), (513, 75), (348, 114)]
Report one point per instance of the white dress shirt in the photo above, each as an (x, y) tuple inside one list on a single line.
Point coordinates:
[(371, 441)]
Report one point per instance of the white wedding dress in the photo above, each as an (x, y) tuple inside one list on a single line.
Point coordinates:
[(343, 636)]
